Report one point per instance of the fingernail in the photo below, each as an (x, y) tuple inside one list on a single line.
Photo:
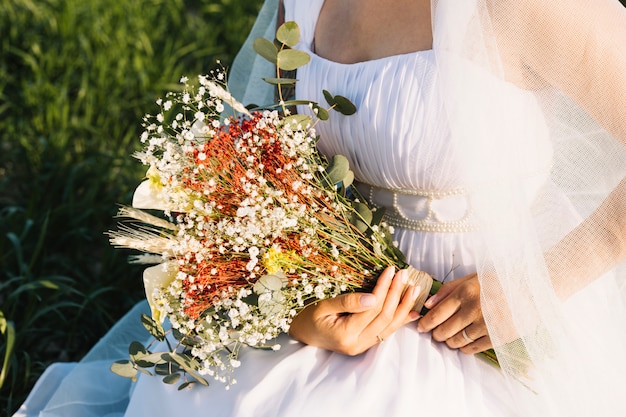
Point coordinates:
[(367, 300), (404, 276), (414, 315), (431, 302), (416, 292)]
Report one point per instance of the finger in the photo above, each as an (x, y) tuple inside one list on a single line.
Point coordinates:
[(384, 282), (461, 319), (381, 292), (346, 303), (392, 298), (479, 345), (443, 292), (473, 332), (404, 313), (439, 314)]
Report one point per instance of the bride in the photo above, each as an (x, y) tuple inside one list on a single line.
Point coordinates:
[(493, 133)]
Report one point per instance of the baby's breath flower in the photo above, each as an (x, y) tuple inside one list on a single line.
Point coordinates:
[(251, 229)]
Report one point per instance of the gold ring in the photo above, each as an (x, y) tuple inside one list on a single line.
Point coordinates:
[(466, 337), (380, 339)]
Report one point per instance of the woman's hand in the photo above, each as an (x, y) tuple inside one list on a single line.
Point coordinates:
[(456, 309), (353, 323)]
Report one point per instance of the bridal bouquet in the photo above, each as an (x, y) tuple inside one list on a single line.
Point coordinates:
[(256, 225)]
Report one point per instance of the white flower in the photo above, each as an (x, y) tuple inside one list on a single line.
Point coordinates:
[(156, 278)]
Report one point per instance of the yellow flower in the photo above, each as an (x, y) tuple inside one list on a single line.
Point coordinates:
[(274, 260)]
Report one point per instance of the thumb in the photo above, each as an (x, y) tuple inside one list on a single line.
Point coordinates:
[(348, 303)]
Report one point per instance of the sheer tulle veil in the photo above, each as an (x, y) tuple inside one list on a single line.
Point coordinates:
[(546, 80)]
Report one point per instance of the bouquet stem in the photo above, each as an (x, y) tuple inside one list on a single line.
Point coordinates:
[(427, 284)]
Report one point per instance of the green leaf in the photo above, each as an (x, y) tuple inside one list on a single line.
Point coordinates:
[(137, 350), (153, 327), (337, 168), (363, 211), (348, 179), (3, 322), (8, 331), (296, 120), (291, 59), (288, 33), (280, 81), (377, 216), (149, 360), (171, 379), (267, 283), (125, 369), (266, 49), (344, 106), (186, 384), (189, 365), (320, 112), (329, 97), (166, 368)]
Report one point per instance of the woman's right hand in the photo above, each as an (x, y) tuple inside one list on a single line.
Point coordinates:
[(353, 323)]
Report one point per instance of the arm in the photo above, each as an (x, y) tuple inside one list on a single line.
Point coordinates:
[(578, 47)]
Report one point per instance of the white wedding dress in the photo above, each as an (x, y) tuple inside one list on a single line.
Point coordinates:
[(397, 140), (398, 146)]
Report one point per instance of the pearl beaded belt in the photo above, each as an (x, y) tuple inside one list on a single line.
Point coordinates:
[(446, 211)]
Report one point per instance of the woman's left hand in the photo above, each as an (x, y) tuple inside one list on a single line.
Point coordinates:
[(455, 316)]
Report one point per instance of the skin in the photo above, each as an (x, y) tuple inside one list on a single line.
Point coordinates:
[(350, 31)]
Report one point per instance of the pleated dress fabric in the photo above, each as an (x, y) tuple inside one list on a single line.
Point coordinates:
[(397, 143)]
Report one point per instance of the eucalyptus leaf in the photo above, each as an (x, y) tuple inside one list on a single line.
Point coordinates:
[(189, 365), (171, 379), (288, 33), (348, 179), (377, 216), (357, 222), (149, 360), (266, 49), (363, 211), (296, 120), (137, 350), (153, 327), (337, 168), (330, 99), (280, 81), (124, 368), (344, 106), (166, 368), (299, 102), (186, 384), (267, 283), (291, 59), (189, 341), (321, 112)]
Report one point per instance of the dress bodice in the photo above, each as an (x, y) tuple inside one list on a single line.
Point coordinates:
[(399, 138)]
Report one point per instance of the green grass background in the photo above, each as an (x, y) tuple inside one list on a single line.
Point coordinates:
[(76, 76)]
